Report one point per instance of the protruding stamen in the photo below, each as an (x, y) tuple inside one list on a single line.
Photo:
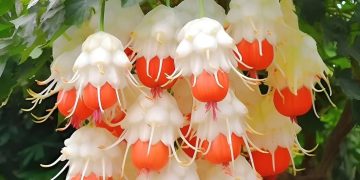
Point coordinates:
[(76, 102), (186, 142), (175, 75), (46, 81), (158, 37), (85, 169), (99, 99), (123, 100), (124, 160), (314, 107), (61, 171), (273, 160), (245, 77), (327, 95), (230, 144), (100, 68), (304, 150), (260, 48), (176, 156), (160, 68), (217, 80), (148, 67), (151, 138), (73, 79), (194, 155), (253, 25), (70, 171), (253, 145), (194, 81), (250, 153), (64, 128), (119, 101), (167, 82), (207, 54), (239, 59), (103, 168), (252, 129), (292, 160), (130, 41), (51, 164), (41, 119), (189, 130)]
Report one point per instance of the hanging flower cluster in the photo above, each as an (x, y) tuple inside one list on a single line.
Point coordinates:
[(181, 98)]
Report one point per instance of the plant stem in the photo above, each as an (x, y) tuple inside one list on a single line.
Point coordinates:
[(201, 8), (168, 3), (332, 145), (102, 14)]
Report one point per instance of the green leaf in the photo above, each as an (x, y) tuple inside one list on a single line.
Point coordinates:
[(40, 174), (349, 86), (39, 41), (311, 10), (77, 11), (4, 26), (356, 16), (36, 52), (2, 67), (52, 21), (5, 6), (34, 152), (354, 50), (16, 75), (7, 85)]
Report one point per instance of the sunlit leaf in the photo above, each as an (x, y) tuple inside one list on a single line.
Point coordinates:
[(78, 10), (349, 86)]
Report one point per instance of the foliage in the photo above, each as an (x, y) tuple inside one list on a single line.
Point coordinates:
[(26, 35)]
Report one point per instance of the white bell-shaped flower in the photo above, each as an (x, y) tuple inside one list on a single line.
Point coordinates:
[(188, 10), (85, 156), (254, 20)]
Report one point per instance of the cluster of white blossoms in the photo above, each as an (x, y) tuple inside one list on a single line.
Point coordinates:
[(175, 93)]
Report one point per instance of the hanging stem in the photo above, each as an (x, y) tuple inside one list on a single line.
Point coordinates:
[(102, 15), (168, 4), (201, 8)]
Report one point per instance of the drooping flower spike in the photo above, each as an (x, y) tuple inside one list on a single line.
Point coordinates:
[(278, 136), (154, 42), (188, 10), (84, 155), (60, 69), (297, 68), (65, 50)]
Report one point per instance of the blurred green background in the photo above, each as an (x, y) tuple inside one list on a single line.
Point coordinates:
[(25, 55)]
